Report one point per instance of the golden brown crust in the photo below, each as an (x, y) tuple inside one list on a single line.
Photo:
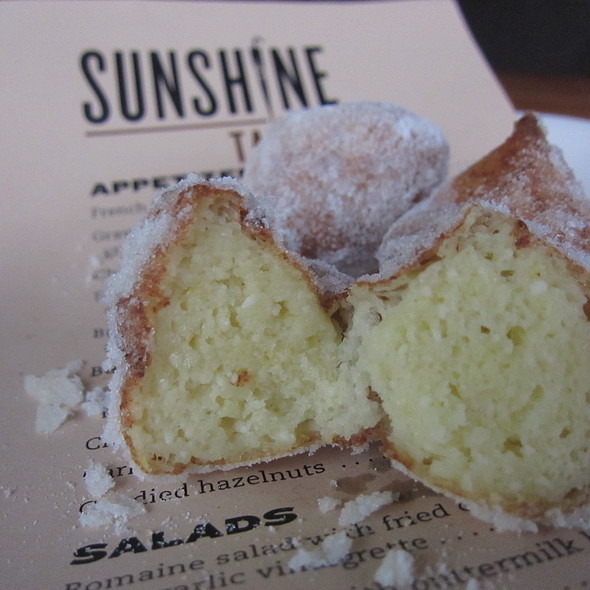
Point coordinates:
[(525, 177), (245, 460), (360, 439), (524, 148), (528, 176)]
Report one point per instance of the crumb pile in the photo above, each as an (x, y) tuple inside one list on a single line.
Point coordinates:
[(109, 506), (116, 509), (98, 480), (466, 356), (332, 550)]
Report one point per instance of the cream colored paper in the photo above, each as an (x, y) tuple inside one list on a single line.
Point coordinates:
[(72, 188)]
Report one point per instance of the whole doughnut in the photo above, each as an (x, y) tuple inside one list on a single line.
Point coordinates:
[(341, 174)]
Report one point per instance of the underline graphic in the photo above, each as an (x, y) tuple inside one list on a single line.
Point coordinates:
[(169, 128)]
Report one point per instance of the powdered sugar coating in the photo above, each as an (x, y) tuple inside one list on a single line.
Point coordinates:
[(414, 233), (341, 174), (538, 187)]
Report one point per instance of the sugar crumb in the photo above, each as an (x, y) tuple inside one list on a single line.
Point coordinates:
[(116, 509), (359, 450), (333, 550), (327, 504), (95, 402), (363, 505), (58, 392), (396, 569), (98, 480), (7, 492)]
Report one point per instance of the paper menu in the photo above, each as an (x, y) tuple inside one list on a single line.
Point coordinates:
[(105, 102)]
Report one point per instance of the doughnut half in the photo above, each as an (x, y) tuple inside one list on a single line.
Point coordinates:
[(223, 345), (481, 356)]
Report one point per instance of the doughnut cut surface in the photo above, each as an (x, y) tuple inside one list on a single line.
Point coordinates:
[(480, 360), (241, 358)]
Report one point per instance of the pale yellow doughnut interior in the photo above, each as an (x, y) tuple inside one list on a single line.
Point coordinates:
[(481, 362), (245, 360)]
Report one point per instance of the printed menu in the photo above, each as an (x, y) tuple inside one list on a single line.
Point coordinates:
[(103, 104)]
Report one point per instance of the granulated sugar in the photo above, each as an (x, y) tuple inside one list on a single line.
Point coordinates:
[(396, 569), (364, 505), (59, 392)]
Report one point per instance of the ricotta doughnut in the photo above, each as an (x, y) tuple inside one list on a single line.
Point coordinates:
[(222, 343), (481, 352), (466, 356), (342, 174)]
